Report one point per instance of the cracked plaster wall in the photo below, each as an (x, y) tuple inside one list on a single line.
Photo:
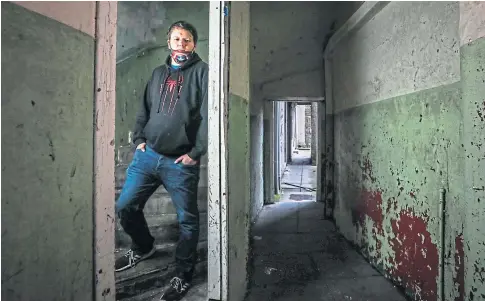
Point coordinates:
[(406, 110)]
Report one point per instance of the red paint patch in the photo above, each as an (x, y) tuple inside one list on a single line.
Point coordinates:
[(416, 257), (459, 268), (370, 205)]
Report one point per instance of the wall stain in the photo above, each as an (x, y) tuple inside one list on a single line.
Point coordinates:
[(370, 205), (51, 146), (459, 278), (415, 262)]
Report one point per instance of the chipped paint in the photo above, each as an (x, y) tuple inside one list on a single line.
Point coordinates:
[(472, 55), (388, 189), (370, 205), (397, 141), (459, 278), (415, 260)]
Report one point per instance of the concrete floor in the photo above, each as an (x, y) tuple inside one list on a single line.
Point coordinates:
[(297, 255), (299, 181)]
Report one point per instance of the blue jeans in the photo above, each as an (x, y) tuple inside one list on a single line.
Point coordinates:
[(147, 171)]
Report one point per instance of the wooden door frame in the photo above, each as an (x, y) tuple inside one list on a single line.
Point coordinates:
[(104, 138)]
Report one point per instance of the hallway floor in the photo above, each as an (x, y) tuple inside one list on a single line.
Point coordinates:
[(299, 181), (297, 255)]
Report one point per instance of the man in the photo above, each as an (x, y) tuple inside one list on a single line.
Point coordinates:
[(171, 136)]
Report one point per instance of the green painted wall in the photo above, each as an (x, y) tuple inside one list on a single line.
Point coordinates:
[(238, 207), (471, 274), (399, 139), (393, 157), (47, 158)]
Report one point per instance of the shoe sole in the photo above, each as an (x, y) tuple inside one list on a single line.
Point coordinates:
[(144, 257)]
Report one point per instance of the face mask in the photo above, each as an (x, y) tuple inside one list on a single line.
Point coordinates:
[(181, 57)]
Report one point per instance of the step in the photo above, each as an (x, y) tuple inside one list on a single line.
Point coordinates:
[(164, 228), (154, 272)]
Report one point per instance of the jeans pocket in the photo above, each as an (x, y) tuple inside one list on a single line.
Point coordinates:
[(187, 166), (136, 156)]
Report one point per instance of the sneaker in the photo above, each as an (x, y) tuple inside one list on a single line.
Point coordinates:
[(131, 258), (177, 289)]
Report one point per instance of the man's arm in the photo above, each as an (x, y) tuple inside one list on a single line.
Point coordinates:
[(200, 147), (142, 116)]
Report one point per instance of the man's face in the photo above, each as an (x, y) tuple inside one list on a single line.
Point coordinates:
[(181, 40)]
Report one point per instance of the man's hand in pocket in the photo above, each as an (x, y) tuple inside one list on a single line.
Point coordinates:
[(186, 160), (141, 146)]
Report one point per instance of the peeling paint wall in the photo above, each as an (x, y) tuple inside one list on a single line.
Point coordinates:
[(142, 46), (47, 152), (406, 118), (469, 256)]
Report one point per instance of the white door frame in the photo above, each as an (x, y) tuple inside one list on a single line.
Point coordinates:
[(216, 153)]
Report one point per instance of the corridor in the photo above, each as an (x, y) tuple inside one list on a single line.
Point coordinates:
[(297, 255)]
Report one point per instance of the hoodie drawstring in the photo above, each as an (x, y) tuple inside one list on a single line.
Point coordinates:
[(164, 83), (178, 89)]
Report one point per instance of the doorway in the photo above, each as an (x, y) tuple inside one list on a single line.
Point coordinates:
[(223, 194), (296, 150), (141, 47)]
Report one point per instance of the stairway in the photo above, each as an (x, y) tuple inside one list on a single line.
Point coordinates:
[(162, 221), (155, 272)]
